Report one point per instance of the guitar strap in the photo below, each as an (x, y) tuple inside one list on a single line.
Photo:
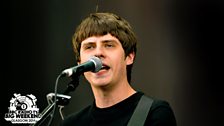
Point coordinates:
[(141, 111)]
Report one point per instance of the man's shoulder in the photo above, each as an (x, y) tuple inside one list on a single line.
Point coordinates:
[(80, 112), (79, 115), (161, 112), (156, 102)]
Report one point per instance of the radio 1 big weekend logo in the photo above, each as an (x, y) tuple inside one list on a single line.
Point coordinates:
[(23, 110)]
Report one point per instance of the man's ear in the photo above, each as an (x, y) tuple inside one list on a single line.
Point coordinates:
[(130, 58)]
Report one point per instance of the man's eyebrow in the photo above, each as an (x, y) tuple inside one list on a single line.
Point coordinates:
[(87, 43), (103, 41), (109, 40)]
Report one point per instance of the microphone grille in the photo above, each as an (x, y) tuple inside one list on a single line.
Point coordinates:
[(97, 62)]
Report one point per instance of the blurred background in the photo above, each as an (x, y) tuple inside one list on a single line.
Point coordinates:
[(178, 59)]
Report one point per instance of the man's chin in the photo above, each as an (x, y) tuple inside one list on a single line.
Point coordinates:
[(100, 84)]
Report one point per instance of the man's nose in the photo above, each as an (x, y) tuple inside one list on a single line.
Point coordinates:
[(99, 52)]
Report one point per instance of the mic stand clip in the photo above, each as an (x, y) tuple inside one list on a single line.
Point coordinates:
[(62, 100)]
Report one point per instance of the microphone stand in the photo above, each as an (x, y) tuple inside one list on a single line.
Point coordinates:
[(72, 85)]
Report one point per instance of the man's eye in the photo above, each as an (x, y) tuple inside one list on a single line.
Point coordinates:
[(89, 47), (109, 45)]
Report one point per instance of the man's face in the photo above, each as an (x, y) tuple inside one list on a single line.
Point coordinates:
[(110, 51)]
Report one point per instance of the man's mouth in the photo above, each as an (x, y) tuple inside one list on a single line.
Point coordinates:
[(105, 67)]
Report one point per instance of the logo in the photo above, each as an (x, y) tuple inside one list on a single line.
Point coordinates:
[(23, 109)]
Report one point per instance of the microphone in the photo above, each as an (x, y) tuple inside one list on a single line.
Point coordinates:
[(94, 64)]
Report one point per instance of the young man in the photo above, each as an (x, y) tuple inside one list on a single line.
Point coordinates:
[(110, 37)]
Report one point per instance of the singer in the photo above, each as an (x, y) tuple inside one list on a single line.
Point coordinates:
[(116, 103)]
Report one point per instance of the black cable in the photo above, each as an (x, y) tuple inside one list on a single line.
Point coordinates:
[(55, 99)]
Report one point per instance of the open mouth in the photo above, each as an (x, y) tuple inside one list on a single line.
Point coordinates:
[(105, 67)]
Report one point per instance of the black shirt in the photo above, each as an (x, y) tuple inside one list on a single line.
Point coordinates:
[(119, 114)]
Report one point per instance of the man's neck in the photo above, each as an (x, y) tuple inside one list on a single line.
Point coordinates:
[(106, 97)]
